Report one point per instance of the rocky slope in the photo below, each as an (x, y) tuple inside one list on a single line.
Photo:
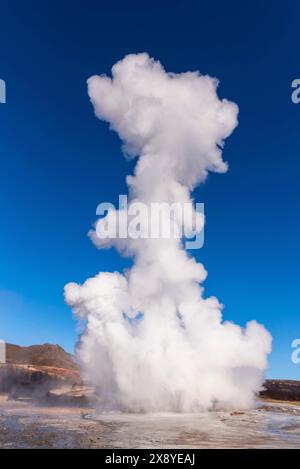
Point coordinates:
[(40, 355), (35, 371), (281, 389)]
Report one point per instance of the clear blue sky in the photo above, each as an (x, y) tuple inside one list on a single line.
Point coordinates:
[(58, 161)]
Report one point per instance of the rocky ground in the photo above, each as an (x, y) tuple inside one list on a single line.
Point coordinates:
[(24, 424), (27, 425)]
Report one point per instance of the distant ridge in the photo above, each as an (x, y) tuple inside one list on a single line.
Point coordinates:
[(40, 355), (281, 389), (34, 371)]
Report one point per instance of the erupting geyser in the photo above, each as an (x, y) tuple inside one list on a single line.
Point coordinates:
[(179, 356)]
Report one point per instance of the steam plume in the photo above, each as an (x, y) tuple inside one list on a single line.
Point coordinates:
[(179, 356)]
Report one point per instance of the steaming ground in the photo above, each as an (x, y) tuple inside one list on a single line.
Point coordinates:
[(175, 353), (273, 425)]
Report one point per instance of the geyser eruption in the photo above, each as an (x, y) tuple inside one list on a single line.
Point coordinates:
[(178, 355)]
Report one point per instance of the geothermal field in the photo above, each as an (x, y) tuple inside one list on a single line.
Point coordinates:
[(45, 404), (270, 425)]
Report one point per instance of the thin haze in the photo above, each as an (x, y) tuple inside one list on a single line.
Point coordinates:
[(179, 356)]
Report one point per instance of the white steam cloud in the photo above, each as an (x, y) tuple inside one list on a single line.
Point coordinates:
[(178, 356)]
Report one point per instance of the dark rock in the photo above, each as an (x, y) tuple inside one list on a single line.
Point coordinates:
[(283, 390)]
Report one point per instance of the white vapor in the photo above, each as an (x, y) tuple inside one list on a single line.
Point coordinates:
[(179, 356)]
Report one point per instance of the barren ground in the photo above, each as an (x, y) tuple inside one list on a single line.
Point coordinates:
[(23, 425)]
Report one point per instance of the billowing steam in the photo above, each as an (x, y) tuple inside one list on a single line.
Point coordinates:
[(152, 342)]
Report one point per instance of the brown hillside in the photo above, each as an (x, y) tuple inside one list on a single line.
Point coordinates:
[(40, 355)]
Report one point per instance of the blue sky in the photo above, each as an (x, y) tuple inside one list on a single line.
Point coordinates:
[(58, 161)]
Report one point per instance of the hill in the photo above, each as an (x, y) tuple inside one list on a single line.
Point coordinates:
[(40, 355)]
